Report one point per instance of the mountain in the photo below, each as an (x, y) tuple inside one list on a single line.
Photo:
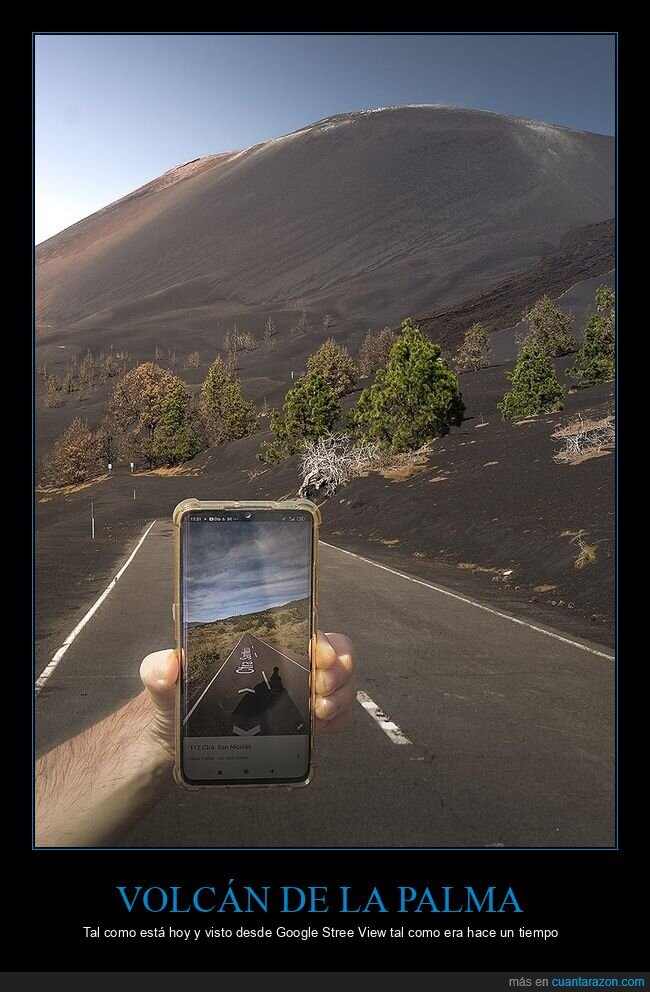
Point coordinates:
[(368, 215)]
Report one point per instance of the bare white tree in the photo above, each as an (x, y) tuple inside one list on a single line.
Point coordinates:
[(584, 438), (269, 334), (301, 326), (332, 460)]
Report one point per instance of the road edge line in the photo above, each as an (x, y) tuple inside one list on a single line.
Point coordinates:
[(50, 668), (473, 602), (394, 733), (267, 645)]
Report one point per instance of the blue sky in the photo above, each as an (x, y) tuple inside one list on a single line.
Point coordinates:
[(237, 568), (114, 111)]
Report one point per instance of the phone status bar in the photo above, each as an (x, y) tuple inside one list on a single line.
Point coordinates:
[(226, 518)]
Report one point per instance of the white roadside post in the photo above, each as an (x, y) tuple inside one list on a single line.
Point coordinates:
[(92, 519)]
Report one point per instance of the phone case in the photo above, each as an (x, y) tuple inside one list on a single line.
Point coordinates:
[(186, 506)]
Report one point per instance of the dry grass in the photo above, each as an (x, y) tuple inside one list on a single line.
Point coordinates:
[(50, 491), (498, 574), (544, 588), (578, 425), (586, 556), (587, 552), (404, 466), (254, 473), (584, 456), (174, 471), (439, 478), (487, 464), (470, 566), (391, 543)]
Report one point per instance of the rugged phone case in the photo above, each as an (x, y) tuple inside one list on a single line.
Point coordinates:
[(191, 505)]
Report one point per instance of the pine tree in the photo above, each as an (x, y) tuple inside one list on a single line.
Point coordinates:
[(311, 408), (139, 401), (605, 299), (176, 438), (337, 368), (414, 399), (535, 386), (224, 411), (74, 457), (596, 358), (474, 353), (550, 328)]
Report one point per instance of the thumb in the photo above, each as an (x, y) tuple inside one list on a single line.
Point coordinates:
[(159, 674)]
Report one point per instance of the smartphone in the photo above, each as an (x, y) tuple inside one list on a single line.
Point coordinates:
[(245, 615)]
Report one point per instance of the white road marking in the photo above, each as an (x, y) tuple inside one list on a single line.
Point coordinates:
[(212, 680), (390, 728), (56, 657), (473, 602), (265, 679), (280, 653), (246, 733)]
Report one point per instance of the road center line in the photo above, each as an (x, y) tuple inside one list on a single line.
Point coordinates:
[(473, 602), (56, 657), (212, 679), (390, 728)]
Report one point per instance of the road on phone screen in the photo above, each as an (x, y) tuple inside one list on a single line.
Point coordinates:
[(256, 690), (474, 730)]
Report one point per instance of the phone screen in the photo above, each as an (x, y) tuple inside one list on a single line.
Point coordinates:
[(246, 615)]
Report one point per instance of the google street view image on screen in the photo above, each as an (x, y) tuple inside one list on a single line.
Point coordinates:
[(246, 607)]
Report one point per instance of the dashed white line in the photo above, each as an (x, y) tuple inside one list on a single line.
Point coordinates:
[(212, 680), (266, 680), (473, 602), (56, 657), (390, 728)]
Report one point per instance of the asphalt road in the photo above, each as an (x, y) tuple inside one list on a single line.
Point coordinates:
[(510, 732), (242, 698)]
